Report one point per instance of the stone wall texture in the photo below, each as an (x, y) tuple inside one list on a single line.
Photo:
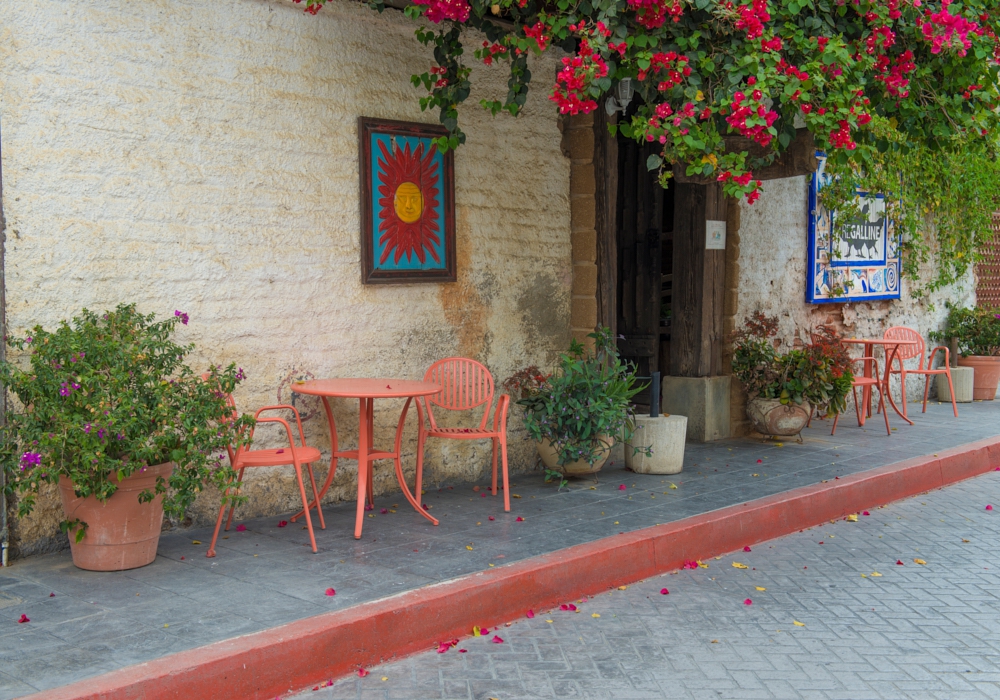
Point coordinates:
[(203, 156), (770, 275)]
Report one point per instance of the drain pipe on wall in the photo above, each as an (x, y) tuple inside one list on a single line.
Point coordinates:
[(4, 530)]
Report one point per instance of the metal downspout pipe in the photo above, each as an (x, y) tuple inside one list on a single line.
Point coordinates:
[(4, 530)]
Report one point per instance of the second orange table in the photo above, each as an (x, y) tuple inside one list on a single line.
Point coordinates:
[(366, 391)]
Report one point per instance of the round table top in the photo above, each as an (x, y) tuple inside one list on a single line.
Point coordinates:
[(367, 388), (877, 341)]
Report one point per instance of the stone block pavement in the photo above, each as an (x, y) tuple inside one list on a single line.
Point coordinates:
[(915, 631)]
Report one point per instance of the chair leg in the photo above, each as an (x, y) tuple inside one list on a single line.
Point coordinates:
[(232, 506), (218, 524), (954, 406), (857, 407), (305, 505), (902, 390), (319, 511), (506, 482), (927, 388), (885, 412), (494, 441), (421, 442)]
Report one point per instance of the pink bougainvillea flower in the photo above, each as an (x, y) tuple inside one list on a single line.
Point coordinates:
[(241, 528), (462, 651), (622, 487), (989, 507), (279, 452), (567, 606), (865, 513), (182, 558), (24, 618), (283, 523), (52, 595), (482, 495), (899, 562), (689, 564), (760, 461), (530, 614), (362, 673), (496, 640), (997, 469), (384, 511), (331, 592), (521, 520), (746, 549), (492, 518), (748, 602), (443, 647), (369, 506), (664, 591)]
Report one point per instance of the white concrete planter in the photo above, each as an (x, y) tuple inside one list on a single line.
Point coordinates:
[(962, 378), (665, 435)]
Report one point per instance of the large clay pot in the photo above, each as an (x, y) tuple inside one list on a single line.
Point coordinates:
[(121, 533), (770, 417), (550, 458), (986, 377)]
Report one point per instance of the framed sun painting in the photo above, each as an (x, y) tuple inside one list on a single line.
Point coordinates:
[(407, 203)]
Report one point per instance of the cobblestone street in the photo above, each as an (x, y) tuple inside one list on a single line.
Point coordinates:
[(901, 603)]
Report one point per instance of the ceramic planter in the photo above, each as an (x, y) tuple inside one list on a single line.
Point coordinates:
[(121, 533), (987, 375), (770, 418), (550, 458), (665, 437)]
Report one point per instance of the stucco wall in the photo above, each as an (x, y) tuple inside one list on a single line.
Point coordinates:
[(193, 155), (771, 276)]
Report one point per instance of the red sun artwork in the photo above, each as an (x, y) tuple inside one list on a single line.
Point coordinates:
[(408, 202)]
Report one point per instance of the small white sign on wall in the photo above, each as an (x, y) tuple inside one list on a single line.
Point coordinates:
[(715, 235)]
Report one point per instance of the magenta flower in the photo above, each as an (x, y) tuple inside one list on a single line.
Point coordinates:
[(30, 459), (183, 316), (86, 428)]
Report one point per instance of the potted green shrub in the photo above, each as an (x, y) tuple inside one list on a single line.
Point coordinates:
[(784, 389), (106, 407), (576, 414), (978, 334)]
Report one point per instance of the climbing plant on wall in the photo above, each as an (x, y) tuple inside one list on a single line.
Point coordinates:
[(901, 94)]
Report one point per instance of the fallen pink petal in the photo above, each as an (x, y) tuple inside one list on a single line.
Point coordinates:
[(361, 673), (865, 513), (748, 602), (664, 591), (384, 511), (443, 647), (760, 461), (52, 595), (283, 523), (331, 592), (622, 487), (530, 614), (520, 519), (690, 564), (989, 507), (24, 618), (241, 528), (496, 640), (462, 651), (492, 518), (746, 549), (899, 562)]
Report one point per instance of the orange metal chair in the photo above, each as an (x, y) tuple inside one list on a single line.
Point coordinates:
[(466, 384), (300, 456), (905, 352), (862, 382)]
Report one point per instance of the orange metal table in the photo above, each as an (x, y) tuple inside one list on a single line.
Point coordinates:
[(891, 348), (366, 391)]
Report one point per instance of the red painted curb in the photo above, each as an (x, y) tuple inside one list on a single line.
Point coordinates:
[(267, 664)]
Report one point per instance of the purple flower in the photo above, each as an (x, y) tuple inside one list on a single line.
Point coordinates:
[(100, 433), (30, 459), (86, 428), (28, 339), (64, 391), (120, 436), (240, 376), (183, 316)]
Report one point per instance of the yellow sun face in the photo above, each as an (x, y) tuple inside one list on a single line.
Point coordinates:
[(408, 202)]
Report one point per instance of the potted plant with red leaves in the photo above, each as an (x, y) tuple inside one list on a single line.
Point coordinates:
[(783, 390), (978, 334), (106, 408)]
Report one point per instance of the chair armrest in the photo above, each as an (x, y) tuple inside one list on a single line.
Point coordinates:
[(930, 358), (288, 430), (284, 407), (874, 362), (503, 406)]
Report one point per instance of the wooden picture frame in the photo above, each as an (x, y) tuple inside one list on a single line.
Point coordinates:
[(407, 203)]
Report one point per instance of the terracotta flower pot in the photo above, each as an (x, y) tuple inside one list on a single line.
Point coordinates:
[(986, 376), (769, 417), (121, 533), (550, 458)]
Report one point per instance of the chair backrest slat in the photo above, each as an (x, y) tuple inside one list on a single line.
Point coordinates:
[(905, 352), (465, 384)]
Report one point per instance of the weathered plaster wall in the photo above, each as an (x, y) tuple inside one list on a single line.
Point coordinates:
[(770, 275), (185, 154)]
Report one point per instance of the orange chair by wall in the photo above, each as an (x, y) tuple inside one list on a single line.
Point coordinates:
[(906, 352), (862, 382), (466, 385)]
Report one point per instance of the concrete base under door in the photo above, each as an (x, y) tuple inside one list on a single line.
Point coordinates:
[(705, 402)]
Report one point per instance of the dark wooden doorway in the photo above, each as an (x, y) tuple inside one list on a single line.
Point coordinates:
[(643, 233)]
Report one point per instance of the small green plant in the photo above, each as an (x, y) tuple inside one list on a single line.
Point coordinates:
[(105, 396), (819, 373), (586, 404), (977, 330)]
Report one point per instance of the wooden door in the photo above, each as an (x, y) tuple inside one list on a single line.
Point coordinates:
[(638, 227)]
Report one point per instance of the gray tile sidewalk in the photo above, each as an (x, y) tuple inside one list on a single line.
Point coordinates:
[(917, 631), (268, 576)]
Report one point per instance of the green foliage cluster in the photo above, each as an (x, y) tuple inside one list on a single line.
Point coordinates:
[(586, 403), (977, 330), (818, 373), (107, 395)]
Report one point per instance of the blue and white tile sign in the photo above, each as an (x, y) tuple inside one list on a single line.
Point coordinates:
[(862, 264)]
